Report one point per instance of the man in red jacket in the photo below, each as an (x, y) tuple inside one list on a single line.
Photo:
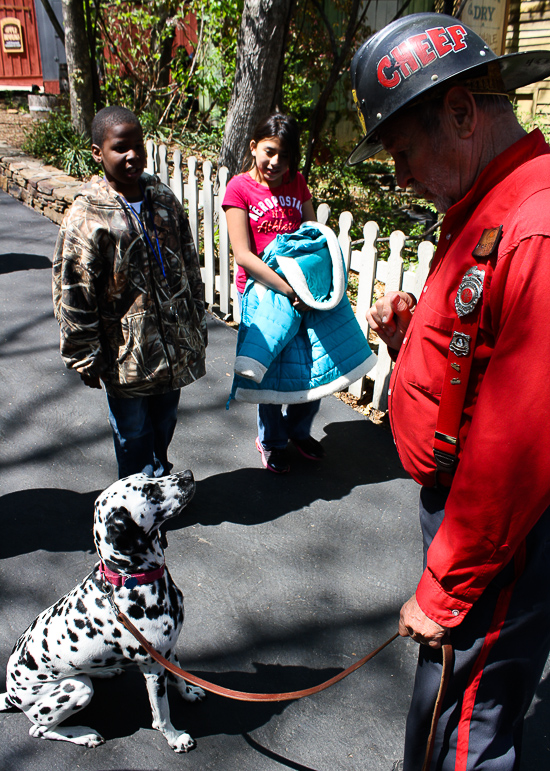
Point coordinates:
[(470, 391)]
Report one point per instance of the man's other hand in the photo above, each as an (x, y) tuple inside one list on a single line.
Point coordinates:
[(390, 317)]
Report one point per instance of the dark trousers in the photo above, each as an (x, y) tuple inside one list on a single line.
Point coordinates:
[(500, 650), (142, 431)]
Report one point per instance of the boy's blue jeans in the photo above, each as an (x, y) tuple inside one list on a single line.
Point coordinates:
[(278, 424), (142, 431)]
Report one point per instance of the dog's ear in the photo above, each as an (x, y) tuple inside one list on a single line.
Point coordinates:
[(122, 533)]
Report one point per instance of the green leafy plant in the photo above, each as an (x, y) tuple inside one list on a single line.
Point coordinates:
[(56, 142)]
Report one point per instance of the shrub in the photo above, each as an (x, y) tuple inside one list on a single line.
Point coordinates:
[(55, 141)]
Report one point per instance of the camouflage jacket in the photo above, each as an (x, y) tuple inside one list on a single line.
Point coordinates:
[(131, 316)]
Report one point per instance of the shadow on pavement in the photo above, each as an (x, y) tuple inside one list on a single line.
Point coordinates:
[(12, 262)]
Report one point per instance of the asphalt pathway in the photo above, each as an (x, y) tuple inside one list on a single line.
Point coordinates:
[(287, 580)]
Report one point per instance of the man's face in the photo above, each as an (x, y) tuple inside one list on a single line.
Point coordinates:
[(424, 161)]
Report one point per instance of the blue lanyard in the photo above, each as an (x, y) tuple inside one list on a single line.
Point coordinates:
[(157, 252)]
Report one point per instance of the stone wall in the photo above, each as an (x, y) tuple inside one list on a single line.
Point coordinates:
[(44, 188)]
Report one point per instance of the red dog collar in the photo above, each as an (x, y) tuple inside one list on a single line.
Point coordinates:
[(130, 579)]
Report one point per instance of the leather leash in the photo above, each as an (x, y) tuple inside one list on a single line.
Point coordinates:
[(447, 651), (242, 695)]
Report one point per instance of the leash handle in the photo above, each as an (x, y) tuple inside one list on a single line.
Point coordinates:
[(243, 695), (447, 651)]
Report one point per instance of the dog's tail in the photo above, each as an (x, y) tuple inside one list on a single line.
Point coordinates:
[(5, 702)]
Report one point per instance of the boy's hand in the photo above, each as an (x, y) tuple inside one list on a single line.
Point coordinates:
[(91, 381)]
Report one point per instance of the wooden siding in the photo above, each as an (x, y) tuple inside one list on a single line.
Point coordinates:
[(21, 69), (529, 30)]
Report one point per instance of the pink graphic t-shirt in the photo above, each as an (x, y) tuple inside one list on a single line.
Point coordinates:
[(270, 212)]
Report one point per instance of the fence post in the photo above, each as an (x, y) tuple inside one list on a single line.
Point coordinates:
[(425, 254), (151, 153), (393, 283), (176, 182), (323, 213), (163, 164), (208, 232), (223, 251), (367, 273), (344, 223), (191, 192)]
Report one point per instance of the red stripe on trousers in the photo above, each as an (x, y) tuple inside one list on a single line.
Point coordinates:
[(499, 617)]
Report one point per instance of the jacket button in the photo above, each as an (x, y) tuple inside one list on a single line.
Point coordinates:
[(455, 612)]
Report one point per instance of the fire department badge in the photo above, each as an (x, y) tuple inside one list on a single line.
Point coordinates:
[(469, 291)]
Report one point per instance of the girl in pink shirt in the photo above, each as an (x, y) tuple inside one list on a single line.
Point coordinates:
[(268, 198)]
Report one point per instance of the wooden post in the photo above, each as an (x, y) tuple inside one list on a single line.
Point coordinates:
[(191, 192), (176, 182), (209, 276), (223, 253), (393, 283), (367, 274)]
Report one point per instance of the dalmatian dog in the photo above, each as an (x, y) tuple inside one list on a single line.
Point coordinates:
[(50, 669)]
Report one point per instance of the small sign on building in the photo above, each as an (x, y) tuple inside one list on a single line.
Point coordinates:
[(12, 36), (489, 18)]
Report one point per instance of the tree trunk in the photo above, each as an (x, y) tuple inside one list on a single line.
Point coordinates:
[(260, 49), (78, 66)]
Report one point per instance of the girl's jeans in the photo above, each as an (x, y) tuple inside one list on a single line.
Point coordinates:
[(278, 423)]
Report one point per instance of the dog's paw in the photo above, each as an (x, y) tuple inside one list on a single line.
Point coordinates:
[(182, 742), (191, 692), (85, 737)]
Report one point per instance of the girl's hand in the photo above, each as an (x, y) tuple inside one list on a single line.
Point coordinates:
[(298, 304)]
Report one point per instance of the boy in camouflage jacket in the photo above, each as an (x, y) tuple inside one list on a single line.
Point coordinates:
[(128, 295)]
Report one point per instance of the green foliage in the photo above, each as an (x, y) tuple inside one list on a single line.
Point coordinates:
[(164, 88), (529, 124), (56, 142), (218, 22), (368, 192)]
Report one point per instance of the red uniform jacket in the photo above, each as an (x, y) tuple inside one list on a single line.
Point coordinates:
[(502, 484)]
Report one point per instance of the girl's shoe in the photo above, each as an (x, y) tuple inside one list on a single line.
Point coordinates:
[(275, 460), (310, 448)]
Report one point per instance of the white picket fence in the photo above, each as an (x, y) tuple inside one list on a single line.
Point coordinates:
[(209, 229)]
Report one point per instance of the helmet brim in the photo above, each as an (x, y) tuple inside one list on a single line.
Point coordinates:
[(517, 70)]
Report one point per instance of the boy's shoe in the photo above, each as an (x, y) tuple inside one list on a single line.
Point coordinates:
[(310, 448), (275, 460)]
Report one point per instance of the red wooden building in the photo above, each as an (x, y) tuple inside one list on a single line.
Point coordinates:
[(31, 55)]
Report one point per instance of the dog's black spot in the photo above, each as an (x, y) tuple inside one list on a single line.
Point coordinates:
[(45, 710), (135, 611), (45, 643), (72, 635), (80, 607), (69, 688), (63, 699), (79, 623), (153, 612), (42, 677), (74, 648), (117, 632), (26, 660), (98, 622)]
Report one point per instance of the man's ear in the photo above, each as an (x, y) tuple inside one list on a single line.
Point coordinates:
[(461, 108), (96, 153)]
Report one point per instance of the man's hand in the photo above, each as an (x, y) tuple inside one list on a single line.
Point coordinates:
[(390, 317), (91, 382), (413, 622)]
